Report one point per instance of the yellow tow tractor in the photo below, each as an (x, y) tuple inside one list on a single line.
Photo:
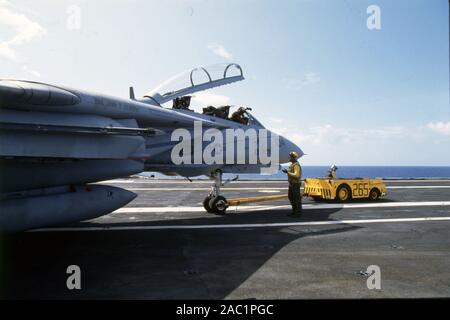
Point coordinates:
[(328, 188), (342, 189)]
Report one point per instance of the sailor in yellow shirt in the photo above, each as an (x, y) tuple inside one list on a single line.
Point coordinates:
[(294, 178)]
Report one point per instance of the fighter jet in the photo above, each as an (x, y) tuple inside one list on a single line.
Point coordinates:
[(56, 142)]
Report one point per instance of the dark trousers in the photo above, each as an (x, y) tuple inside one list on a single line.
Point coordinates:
[(295, 198)]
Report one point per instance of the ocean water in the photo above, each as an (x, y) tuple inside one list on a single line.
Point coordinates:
[(386, 172)]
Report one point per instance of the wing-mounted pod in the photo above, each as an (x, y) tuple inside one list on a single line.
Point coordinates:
[(194, 80)]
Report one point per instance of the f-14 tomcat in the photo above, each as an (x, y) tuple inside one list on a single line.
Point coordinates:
[(56, 141)]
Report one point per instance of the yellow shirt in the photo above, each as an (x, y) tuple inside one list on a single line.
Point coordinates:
[(294, 173)]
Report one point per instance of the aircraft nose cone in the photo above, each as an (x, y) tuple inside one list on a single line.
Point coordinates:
[(10, 91), (286, 147)]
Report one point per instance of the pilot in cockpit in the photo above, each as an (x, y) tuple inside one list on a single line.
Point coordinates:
[(239, 115), (182, 103)]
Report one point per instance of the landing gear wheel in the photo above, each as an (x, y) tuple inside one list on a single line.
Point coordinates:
[(206, 204), (374, 194), (343, 194), (218, 204)]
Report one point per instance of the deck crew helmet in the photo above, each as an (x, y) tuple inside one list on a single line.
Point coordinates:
[(293, 155)]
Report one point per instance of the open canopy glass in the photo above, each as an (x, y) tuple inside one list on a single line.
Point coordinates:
[(197, 79)]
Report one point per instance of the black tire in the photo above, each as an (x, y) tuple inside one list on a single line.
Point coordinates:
[(343, 193), (374, 194), (206, 205), (218, 205)]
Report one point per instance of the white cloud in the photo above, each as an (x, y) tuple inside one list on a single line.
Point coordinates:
[(220, 50), (7, 52), (440, 127), (210, 99), (25, 29), (310, 78), (276, 120), (384, 145), (29, 71), (330, 135)]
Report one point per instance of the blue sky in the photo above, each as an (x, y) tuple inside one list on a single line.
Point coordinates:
[(315, 72)]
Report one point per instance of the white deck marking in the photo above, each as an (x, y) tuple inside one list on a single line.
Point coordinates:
[(180, 181), (250, 225), (418, 187), (204, 189), (305, 206), (417, 180), (268, 188)]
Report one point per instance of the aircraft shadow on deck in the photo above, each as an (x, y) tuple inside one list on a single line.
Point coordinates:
[(149, 264)]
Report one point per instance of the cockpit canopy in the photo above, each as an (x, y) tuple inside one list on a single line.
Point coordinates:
[(179, 89), (194, 80)]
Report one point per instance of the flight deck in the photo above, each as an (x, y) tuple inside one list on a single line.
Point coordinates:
[(163, 245)]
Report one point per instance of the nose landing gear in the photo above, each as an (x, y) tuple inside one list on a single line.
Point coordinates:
[(214, 202)]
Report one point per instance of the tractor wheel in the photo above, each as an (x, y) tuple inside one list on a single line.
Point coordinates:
[(343, 193), (374, 194)]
